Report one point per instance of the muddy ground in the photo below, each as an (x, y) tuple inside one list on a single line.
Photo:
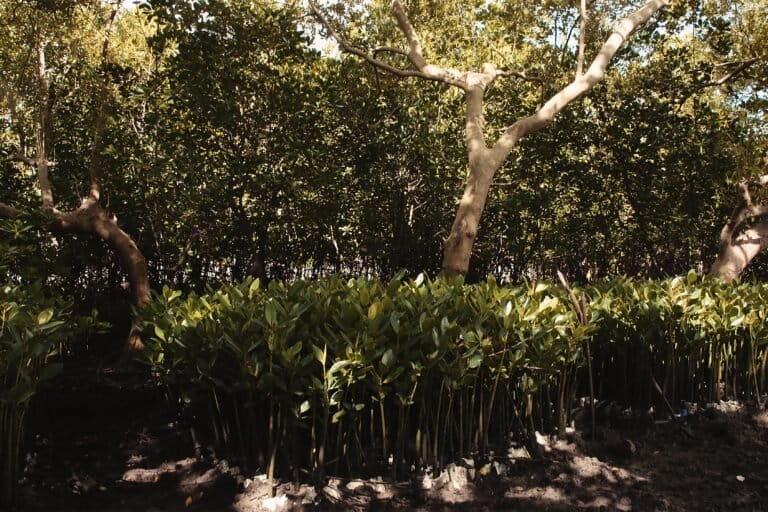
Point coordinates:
[(106, 442)]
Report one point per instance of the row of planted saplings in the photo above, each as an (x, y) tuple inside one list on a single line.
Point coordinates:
[(362, 377), (33, 327), (355, 376), (665, 343)]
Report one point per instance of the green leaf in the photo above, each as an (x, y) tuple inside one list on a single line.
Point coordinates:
[(388, 358), (254, 288), (21, 393), (44, 316), (476, 360), (338, 365), (270, 313), (319, 354), (338, 415), (294, 350), (373, 310), (394, 375), (395, 323)]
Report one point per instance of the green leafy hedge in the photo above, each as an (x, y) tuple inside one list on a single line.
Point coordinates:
[(353, 374), (33, 327)]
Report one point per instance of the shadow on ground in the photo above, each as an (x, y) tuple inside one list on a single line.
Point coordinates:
[(106, 442)]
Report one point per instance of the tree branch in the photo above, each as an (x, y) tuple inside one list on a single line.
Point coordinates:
[(745, 210), (581, 85), (416, 55), (21, 157), (423, 71), (582, 39), (97, 145), (388, 49), (9, 212), (41, 160), (742, 66), (519, 74), (349, 48)]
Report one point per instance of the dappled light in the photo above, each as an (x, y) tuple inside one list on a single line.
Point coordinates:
[(482, 255)]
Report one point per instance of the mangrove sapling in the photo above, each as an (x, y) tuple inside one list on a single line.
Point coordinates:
[(444, 345), (33, 327), (580, 306), (492, 400)]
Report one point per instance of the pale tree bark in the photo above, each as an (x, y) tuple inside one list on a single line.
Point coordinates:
[(90, 217), (485, 160), (738, 247)]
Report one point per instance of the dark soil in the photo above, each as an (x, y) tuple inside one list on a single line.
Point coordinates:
[(108, 442)]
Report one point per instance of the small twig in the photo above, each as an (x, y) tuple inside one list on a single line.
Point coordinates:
[(576, 303), (582, 39), (388, 49), (521, 75), (663, 396)]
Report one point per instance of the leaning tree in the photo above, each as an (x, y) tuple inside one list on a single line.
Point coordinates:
[(35, 151), (745, 235), (485, 158), (738, 63)]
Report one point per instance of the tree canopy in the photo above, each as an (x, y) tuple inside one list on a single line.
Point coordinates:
[(240, 140)]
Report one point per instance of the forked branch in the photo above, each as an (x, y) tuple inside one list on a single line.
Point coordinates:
[(740, 67), (582, 84), (423, 69), (371, 57)]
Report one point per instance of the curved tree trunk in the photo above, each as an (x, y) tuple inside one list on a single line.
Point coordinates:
[(90, 217), (739, 247), (736, 253), (458, 246), (94, 220)]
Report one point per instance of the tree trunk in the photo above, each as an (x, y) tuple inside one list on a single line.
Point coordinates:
[(458, 246), (737, 252), (739, 247), (90, 217), (485, 161), (94, 220)]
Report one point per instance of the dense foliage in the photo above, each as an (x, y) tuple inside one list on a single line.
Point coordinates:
[(236, 140), (351, 374), (238, 144), (37, 326)]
